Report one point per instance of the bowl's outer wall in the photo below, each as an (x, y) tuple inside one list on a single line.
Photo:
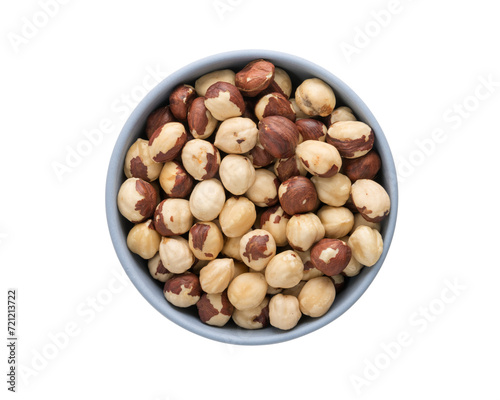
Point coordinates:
[(119, 227)]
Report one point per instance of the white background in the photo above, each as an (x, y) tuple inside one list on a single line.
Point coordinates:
[(72, 74)]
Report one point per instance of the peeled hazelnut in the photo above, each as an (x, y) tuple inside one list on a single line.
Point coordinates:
[(203, 83), (274, 104), (353, 268), (224, 101), (317, 296), (259, 156), (315, 97), (279, 136), (247, 291), (340, 114), (264, 190), (351, 138), (183, 290), (297, 195), (310, 271), (157, 270), (200, 159), (359, 220), (138, 163), (364, 167), (173, 217), (237, 216), (284, 270), (284, 311), (272, 290), (338, 282), (175, 181), (311, 129), (144, 240), (330, 256), (366, 245), (232, 248), (370, 199), (338, 221), (319, 158), (136, 200), (257, 247), (303, 230), (255, 77), (282, 79), (180, 100), (294, 291), (205, 240), (157, 119), (239, 268), (207, 199), (274, 220), (201, 122), (236, 173), (214, 309), (166, 142), (216, 275), (253, 318), (285, 168), (333, 191), (175, 254), (236, 135), (299, 114)]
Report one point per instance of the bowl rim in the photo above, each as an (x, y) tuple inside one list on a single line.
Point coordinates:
[(115, 167)]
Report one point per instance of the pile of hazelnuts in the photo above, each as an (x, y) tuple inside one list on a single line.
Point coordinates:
[(250, 204)]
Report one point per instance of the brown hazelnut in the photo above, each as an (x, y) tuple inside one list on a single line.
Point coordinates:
[(315, 97), (274, 104), (317, 296), (333, 191), (351, 138), (183, 290), (214, 309), (236, 173), (236, 135), (285, 168), (259, 156), (297, 195), (319, 158), (264, 190), (279, 136), (216, 275), (157, 119), (359, 220), (330, 256), (340, 114), (175, 181), (284, 311), (175, 254), (136, 200), (157, 270), (339, 282), (253, 318), (138, 163), (173, 217), (303, 230), (257, 247), (224, 101), (284, 270), (255, 77), (310, 271), (205, 240), (311, 129), (201, 159), (370, 199), (338, 221), (247, 291), (144, 240), (203, 83), (274, 220), (366, 245), (364, 167), (166, 142), (237, 216), (207, 199), (180, 100), (198, 265), (201, 122)]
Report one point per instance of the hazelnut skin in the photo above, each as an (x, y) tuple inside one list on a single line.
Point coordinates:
[(207, 200), (310, 271), (285, 168), (214, 309), (224, 101), (284, 311), (351, 138), (138, 163), (259, 156), (274, 104), (330, 256), (175, 181), (339, 282), (157, 119), (311, 129), (180, 100), (144, 240), (279, 136), (297, 195), (205, 240), (255, 77), (315, 97), (257, 247), (200, 121), (201, 159), (157, 270), (253, 318), (166, 142), (370, 199), (183, 290), (317, 296), (364, 167), (136, 200)]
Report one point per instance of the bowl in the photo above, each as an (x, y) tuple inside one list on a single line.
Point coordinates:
[(136, 268)]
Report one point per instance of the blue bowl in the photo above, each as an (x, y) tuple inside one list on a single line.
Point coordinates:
[(136, 268)]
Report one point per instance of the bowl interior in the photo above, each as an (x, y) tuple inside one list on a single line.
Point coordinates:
[(136, 268)]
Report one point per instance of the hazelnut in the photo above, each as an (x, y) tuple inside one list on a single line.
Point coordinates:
[(282, 79), (333, 191), (156, 187), (203, 83), (166, 142), (330, 256), (173, 217), (353, 268), (317, 296), (351, 138), (180, 100), (247, 291), (259, 156), (297, 195), (370, 199), (136, 200), (224, 101), (284, 311), (340, 114), (216, 275), (144, 240), (214, 309), (299, 114), (157, 119), (200, 159), (264, 190), (274, 220), (237, 216), (279, 136), (338, 221), (183, 290), (236, 173), (239, 268), (236, 135), (253, 318), (175, 181), (201, 122), (303, 230), (294, 291), (285, 168), (315, 97), (138, 163), (310, 271), (205, 240), (339, 281), (364, 167), (255, 77), (359, 220), (366, 244), (157, 270), (284, 270), (207, 199), (232, 248), (175, 254), (319, 158), (198, 265), (257, 247), (272, 290), (274, 104), (311, 129)]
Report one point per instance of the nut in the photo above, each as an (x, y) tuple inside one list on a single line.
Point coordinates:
[(366, 244), (284, 270), (175, 181), (284, 311), (317, 296), (283, 81), (201, 122), (259, 156), (274, 104), (157, 119), (224, 101), (338, 221), (299, 114), (315, 97), (200, 159), (264, 190), (255, 77), (370, 199), (173, 217), (330, 256), (253, 318), (319, 158), (310, 271), (297, 195), (274, 220), (303, 230), (294, 291), (216, 275), (364, 167), (272, 291), (353, 268), (359, 220), (205, 240), (279, 136), (285, 168), (340, 114), (239, 268), (207, 199), (144, 240), (156, 187), (198, 265), (236, 173), (257, 247), (203, 83), (232, 248), (157, 270), (333, 191), (311, 129), (247, 291), (175, 254), (136, 200), (138, 163), (180, 100), (339, 281), (352, 139), (214, 309), (166, 142), (237, 216), (236, 135), (183, 290)]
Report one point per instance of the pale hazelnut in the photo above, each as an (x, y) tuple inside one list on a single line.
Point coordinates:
[(236, 173), (136, 200), (232, 247), (284, 311), (295, 290), (317, 296), (338, 221), (353, 268), (351, 138), (224, 101), (236, 135), (216, 275), (207, 199), (333, 191), (203, 83), (303, 230), (255, 77), (272, 290), (279, 136), (330, 256), (285, 168), (299, 114), (310, 271), (180, 100), (311, 129), (167, 141), (257, 247), (205, 240), (319, 158), (340, 114), (297, 195), (274, 220), (175, 254), (183, 290), (139, 164), (173, 217), (359, 220), (264, 190), (259, 156), (274, 104), (282, 79), (200, 159), (157, 270), (144, 240), (214, 309), (201, 122), (315, 97), (370, 199), (253, 318), (239, 268), (247, 291), (175, 181), (157, 119), (366, 245), (364, 167), (284, 270), (237, 216), (339, 282)]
